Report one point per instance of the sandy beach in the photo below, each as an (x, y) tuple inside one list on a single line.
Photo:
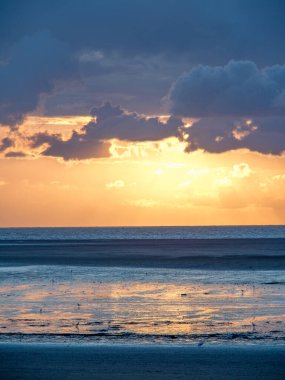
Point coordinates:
[(127, 362)]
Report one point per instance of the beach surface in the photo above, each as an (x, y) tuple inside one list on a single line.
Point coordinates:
[(154, 307), (153, 362), (55, 303)]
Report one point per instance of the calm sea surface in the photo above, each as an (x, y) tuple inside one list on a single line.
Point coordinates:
[(89, 233)]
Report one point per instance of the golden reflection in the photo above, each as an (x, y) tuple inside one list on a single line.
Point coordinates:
[(145, 307)]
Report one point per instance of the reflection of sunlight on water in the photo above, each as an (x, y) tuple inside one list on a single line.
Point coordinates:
[(115, 300)]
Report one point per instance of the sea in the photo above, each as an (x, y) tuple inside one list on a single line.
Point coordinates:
[(162, 285), (93, 233)]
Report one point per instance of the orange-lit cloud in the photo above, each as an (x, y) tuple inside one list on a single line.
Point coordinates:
[(143, 183)]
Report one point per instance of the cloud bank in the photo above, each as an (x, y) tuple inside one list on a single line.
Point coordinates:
[(30, 69), (236, 89), (125, 49), (62, 58), (111, 122), (220, 134), (5, 144), (238, 106)]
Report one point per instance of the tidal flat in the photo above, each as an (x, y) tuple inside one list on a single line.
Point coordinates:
[(141, 305)]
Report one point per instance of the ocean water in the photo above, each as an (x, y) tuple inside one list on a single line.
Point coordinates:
[(91, 233), (143, 285)]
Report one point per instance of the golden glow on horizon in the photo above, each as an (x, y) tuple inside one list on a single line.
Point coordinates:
[(146, 183)]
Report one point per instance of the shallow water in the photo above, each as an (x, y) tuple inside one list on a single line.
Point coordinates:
[(141, 305)]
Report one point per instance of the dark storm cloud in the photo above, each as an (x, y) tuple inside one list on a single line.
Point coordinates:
[(40, 39), (5, 144), (31, 69), (112, 122), (237, 89), (15, 154), (220, 134), (137, 83), (116, 123), (131, 51), (206, 30), (106, 111), (77, 147), (238, 106)]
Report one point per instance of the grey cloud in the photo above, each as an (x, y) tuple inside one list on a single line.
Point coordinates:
[(31, 68), (15, 154), (112, 122), (116, 123), (5, 144), (137, 83), (238, 106), (130, 51), (77, 147), (236, 89), (202, 29), (184, 31), (106, 111), (216, 135)]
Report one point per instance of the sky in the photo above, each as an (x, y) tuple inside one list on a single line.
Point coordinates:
[(139, 112)]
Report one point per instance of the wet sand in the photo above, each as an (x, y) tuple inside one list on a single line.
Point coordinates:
[(119, 362), (189, 253), (131, 305), (34, 303)]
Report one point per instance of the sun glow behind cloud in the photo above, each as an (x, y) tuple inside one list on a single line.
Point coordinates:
[(141, 183), (185, 127)]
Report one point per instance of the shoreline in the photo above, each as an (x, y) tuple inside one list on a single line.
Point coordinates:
[(207, 339)]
